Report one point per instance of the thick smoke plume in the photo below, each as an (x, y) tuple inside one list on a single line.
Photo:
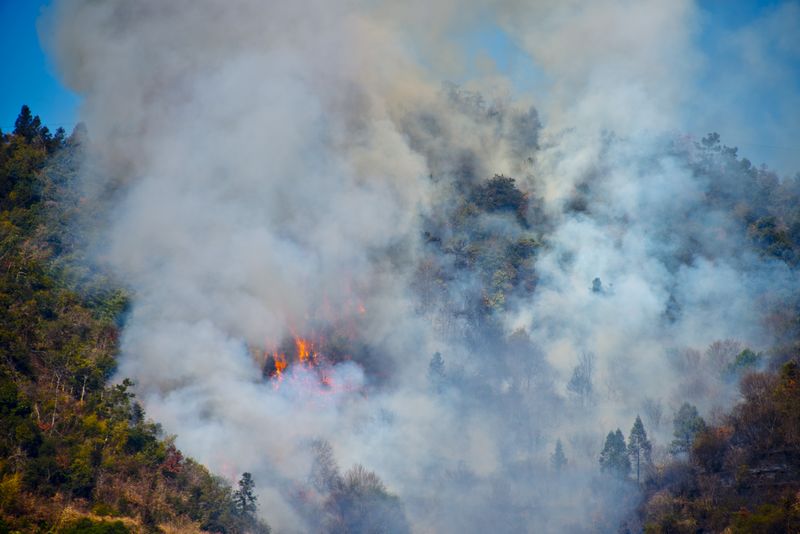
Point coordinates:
[(279, 170)]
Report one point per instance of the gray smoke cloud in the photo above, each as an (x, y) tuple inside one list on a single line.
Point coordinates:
[(272, 168)]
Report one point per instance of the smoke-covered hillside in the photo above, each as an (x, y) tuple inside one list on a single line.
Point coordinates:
[(405, 304)]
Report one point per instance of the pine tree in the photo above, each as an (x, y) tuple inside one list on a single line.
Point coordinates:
[(614, 457), (27, 125), (687, 424), (244, 497), (558, 459), (639, 447)]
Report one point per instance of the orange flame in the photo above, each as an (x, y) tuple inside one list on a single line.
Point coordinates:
[(302, 349), (280, 363)]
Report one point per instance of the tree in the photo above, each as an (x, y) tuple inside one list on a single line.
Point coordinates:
[(244, 498), (787, 398), (173, 461), (597, 286), (27, 125), (558, 460), (614, 457), (324, 474), (639, 447), (745, 360), (362, 503), (500, 194), (581, 381), (687, 424), (653, 412)]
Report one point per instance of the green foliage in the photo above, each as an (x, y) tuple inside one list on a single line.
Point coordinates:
[(743, 475), (773, 239), (614, 458), (104, 510), (768, 519), (487, 236), (687, 424), (500, 193), (244, 497), (87, 526), (639, 447), (26, 125), (745, 360), (765, 205), (63, 430)]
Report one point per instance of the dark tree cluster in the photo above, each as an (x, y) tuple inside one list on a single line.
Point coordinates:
[(618, 457)]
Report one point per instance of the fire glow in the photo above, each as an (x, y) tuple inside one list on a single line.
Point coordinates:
[(301, 366)]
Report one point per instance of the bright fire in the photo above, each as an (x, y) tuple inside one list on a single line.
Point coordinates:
[(305, 354), (311, 367), (302, 349), (280, 363)]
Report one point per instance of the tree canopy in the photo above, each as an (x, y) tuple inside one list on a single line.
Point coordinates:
[(614, 457), (639, 447)]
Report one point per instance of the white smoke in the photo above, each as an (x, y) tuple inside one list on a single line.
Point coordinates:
[(270, 164)]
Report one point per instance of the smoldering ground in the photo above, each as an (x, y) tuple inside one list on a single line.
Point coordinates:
[(282, 168)]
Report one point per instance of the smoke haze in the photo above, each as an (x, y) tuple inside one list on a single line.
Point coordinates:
[(287, 169)]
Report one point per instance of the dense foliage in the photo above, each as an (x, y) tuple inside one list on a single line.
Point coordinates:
[(77, 454), (742, 473)]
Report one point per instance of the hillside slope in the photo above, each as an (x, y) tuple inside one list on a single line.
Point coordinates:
[(77, 454)]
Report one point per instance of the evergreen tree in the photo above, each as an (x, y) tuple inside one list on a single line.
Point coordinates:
[(52, 142), (244, 497), (614, 457), (687, 424), (27, 125), (558, 459), (59, 137), (639, 447)]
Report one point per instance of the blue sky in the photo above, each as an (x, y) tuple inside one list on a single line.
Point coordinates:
[(26, 75)]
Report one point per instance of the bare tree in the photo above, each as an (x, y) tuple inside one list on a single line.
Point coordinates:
[(581, 382), (653, 411), (720, 354)]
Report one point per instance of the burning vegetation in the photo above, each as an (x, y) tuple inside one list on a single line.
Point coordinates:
[(309, 365)]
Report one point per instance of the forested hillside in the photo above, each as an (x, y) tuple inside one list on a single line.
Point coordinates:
[(735, 470), (78, 453), (740, 470)]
